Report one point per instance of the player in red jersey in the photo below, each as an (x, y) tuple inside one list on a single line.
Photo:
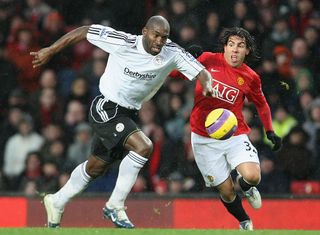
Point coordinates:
[(233, 81)]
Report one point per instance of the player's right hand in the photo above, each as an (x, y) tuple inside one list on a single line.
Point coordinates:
[(41, 57), (208, 90)]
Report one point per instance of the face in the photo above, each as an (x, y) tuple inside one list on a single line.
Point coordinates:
[(235, 51), (154, 38)]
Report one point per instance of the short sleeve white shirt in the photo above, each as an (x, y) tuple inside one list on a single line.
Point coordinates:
[(132, 75)]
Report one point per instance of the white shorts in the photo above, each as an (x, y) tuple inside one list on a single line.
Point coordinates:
[(217, 158)]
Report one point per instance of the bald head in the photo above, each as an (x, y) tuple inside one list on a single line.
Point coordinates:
[(155, 34), (158, 21)]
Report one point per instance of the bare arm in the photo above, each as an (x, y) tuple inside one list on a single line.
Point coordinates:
[(205, 80), (44, 55)]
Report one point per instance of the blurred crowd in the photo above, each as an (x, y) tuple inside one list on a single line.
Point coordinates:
[(44, 132)]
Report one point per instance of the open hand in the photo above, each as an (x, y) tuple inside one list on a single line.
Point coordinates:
[(41, 57)]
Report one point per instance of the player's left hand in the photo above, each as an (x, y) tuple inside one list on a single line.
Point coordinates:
[(195, 50), (276, 140)]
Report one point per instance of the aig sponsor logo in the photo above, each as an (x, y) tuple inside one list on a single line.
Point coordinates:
[(225, 92)]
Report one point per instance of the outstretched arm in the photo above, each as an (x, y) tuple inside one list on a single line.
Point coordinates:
[(44, 55), (205, 80)]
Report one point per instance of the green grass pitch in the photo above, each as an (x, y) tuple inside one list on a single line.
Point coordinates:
[(108, 231)]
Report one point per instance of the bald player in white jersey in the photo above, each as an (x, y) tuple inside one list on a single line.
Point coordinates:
[(137, 67)]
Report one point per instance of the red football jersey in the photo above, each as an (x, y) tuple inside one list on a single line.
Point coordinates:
[(232, 86)]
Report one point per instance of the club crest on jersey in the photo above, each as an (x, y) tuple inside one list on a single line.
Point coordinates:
[(158, 60), (240, 81), (104, 33), (120, 127), (225, 92), (210, 178)]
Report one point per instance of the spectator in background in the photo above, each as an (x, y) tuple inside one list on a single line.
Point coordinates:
[(248, 113), (312, 127), (304, 81), (32, 174), (48, 109), (314, 19), (282, 122), (304, 102), (172, 87), (193, 181), (48, 79), (149, 125), (35, 11), (24, 41), (270, 79), (179, 16), (80, 91), (211, 31), (52, 132), (266, 16), (294, 158), (175, 183), (8, 81), (8, 128), (281, 35), (250, 24), (80, 148), (312, 37), (56, 153), (174, 125), (19, 98), (16, 149), (283, 58), (240, 11), (75, 114), (49, 182), (100, 11), (93, 69), (6, 12), (53, 28), (300, 18), (30, 188), (188, 34), (300, 52)]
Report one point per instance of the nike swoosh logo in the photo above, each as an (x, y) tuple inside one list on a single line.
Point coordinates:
[(214, 70)]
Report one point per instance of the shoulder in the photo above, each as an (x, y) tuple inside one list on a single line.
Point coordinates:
[(108, 33), (211, 55), (173, 47), (210, 58), (253, 74)]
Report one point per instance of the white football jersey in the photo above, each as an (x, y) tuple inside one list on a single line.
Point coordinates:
[(132, 75)]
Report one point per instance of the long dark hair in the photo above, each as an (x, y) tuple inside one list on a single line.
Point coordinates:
[(242, 33)]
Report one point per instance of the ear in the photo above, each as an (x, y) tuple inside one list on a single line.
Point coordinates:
[(144, 31), (247, 51)]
